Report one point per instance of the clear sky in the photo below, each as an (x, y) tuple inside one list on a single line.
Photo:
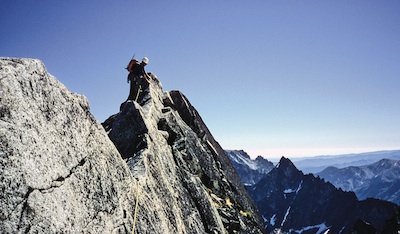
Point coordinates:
[(293, 78)]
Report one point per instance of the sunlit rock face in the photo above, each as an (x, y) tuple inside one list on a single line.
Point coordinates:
[(190, 183), (60, 172)]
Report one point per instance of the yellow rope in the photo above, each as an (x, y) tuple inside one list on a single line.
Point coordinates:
[(136, 207), (138, 92)]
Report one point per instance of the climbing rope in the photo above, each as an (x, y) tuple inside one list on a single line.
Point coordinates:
[(138, 92), (136, 207)]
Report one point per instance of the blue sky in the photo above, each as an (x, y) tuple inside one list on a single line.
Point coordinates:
[(293, 78)]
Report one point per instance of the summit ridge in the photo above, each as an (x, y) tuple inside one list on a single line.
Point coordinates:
[(63, 171)]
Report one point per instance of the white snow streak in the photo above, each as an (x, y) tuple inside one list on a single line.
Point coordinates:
[(298, 188), (252, 164), (272, 220), (284, 218), (286, 191), (264, 219), (322, 229)]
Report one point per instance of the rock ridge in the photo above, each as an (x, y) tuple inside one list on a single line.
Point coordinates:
[(164, 135), (59, 170), (62, 171)]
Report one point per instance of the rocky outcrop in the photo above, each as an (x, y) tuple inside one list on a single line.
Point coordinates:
[(60, 172), (180, 166)]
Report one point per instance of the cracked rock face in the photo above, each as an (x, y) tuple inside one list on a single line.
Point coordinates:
[(189, 182), (59, 171)]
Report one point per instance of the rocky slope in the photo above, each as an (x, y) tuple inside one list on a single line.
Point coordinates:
[(250, 170), (167, 145), (61, 173), (379, 180), (298, 203)]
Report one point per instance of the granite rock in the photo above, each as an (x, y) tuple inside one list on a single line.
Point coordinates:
[(59, 170), (61, 173)]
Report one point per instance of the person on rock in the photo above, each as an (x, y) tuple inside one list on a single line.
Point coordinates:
[(138, 78)]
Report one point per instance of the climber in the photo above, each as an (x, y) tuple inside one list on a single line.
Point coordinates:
[(138, 78)]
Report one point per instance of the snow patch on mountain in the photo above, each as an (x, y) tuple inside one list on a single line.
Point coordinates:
[(285, 217), (250, 170), (241, 157), (272, 220), (322, 229), (286, 191)]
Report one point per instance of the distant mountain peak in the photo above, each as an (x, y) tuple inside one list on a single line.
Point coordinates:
[(386, 162), (285, 162), (294, 202), (249, 170), (287, 167)]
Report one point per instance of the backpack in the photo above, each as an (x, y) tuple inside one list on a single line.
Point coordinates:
[(130, 64)]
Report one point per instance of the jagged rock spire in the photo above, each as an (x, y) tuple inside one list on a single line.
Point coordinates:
[(166, 138)]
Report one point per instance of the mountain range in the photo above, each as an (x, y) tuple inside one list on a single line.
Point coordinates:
[(292, 202), (378, 180), (371, 183), (318, 163)]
